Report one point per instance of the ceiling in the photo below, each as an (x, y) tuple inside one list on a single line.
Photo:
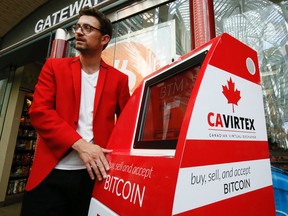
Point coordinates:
[(13, 11)]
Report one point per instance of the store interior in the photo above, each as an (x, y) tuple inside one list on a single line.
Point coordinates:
[(18, 134)]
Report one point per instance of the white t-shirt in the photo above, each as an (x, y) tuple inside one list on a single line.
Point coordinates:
[(72, 161)]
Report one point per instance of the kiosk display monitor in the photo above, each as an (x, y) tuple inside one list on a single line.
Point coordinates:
[(165, 100)]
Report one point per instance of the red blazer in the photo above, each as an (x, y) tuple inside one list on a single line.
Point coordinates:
[(54, 112)]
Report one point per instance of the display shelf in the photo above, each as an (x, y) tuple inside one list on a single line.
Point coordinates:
[(23, 154)]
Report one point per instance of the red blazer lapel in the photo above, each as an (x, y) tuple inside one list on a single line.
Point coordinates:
[(100, 85), (76, 73)]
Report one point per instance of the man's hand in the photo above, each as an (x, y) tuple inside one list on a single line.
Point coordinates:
[(93, 157)]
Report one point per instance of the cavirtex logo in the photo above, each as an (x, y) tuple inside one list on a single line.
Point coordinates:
[(232, 94), (226, 122)]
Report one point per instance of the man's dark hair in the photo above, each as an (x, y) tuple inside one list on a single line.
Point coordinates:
[(105, 23)]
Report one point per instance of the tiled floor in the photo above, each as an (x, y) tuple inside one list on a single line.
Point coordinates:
[(11, 210)]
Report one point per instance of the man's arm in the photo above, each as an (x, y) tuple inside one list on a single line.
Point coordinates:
[(52, 128)]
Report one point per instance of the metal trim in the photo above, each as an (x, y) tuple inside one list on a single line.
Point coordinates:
[(135, 8)]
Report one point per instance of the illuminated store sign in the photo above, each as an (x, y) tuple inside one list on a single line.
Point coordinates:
[(63, 14)]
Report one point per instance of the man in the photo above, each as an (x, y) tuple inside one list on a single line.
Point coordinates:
[(73, 112)]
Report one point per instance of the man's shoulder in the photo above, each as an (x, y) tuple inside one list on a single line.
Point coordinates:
[(112, 69), (63, 61)]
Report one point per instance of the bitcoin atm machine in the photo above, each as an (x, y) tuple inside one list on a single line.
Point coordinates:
[(192, 140)]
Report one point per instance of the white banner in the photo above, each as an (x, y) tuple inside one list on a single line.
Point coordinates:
[(203, 185), (227, 107)]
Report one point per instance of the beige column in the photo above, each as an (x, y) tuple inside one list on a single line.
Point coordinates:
[(10, 131)]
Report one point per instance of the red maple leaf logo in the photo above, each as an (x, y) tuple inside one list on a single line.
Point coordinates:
[(232, 94)]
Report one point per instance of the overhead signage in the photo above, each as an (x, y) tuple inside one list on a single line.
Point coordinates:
[(49, 17), (63, 14)]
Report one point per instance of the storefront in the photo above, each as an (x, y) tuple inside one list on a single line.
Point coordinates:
[(151, 34), (147, 36)]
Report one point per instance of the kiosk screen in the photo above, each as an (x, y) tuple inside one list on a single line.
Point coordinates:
[(166, 97)]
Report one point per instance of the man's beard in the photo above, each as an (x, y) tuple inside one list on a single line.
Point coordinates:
[(80, 48), (80, 44)]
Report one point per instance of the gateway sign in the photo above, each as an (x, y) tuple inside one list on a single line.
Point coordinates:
[(63, 14)]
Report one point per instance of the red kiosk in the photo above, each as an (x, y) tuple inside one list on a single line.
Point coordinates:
[(192, 140)]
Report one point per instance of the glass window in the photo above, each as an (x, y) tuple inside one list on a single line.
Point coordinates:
[(149, 40), (262, 25)]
